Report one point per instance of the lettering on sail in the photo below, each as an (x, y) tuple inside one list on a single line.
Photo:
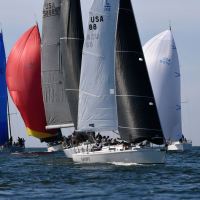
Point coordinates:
[(93, 34), (94, 20), (50, 9), (165, 61), (107, 6)]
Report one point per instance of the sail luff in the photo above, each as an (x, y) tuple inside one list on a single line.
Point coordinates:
[(137, 114), (55, 101), (163, 67), (97, 95), (71, 51), (3, 94)]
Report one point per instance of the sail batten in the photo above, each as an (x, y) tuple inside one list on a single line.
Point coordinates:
[(97, 100), (135, 100)]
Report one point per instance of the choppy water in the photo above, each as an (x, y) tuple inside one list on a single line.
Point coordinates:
[(52, 176)]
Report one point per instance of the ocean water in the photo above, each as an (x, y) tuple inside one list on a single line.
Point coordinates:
[(52, 176)]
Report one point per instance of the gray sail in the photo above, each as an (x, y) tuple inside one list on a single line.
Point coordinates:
[(56, 105), (97, 96), (137, 114), (71, 51)]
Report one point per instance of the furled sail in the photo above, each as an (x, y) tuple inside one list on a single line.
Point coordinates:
[(97, 101), (55, 101), (71, 45), (23, 76), (163, 67), (3, 94), (137, 114)]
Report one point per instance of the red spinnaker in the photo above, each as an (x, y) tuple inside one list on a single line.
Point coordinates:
[(23, 76)]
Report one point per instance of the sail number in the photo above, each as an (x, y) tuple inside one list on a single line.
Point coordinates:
[(50, 9), (93, 22), (92, 27)]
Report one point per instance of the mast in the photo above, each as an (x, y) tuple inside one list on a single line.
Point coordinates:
[(97, 100), (164, 71), (55, 101), (9, 121), (137, 114), (71, 45)]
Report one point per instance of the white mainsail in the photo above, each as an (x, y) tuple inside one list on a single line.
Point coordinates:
[(163, 67), (97, 96)]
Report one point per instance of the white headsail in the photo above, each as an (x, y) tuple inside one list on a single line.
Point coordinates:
[(163, 67), (97, 101)]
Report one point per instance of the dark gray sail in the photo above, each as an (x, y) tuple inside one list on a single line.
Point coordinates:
[(137, 114), (56, 105), (71, 51)]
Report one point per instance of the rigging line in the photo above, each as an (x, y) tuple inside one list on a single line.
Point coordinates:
[(71, 89), (137, 96), (90, 94), (70, 38), (148, 129)]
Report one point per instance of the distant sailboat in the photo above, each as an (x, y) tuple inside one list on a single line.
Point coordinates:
[(23, 75), (6, 143), (133, 112), (164, 71)]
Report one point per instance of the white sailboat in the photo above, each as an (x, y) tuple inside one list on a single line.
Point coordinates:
[(107, 106), (163, 66)]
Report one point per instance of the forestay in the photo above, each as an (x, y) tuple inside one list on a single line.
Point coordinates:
[(163, 67), (97, 101)]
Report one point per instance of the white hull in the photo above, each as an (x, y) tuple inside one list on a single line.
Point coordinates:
[(179, 146), (73, 150), (120, 155), (69, 151), (55, 148)]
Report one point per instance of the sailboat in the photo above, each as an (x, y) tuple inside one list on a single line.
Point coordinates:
[(6, 142), (62, 43), (23, 76), (164, 71), (115, 91), (56, 105)]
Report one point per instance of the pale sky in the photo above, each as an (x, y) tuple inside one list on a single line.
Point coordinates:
[(153, 17)]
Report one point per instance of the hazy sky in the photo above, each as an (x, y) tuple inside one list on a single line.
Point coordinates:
[(153, 17)]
